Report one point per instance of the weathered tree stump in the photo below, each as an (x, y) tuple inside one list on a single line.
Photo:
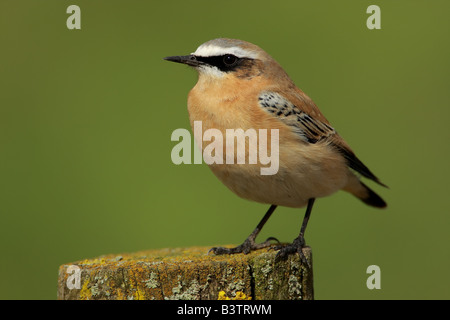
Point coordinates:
[(187, 274)]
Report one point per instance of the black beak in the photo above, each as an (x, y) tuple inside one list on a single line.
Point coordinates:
[(190, 60)]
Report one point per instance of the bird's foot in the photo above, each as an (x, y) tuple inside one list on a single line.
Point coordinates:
[(295, 247), (245, 248)]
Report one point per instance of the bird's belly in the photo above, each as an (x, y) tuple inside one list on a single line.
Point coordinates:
[(299, 178), (305, 170)]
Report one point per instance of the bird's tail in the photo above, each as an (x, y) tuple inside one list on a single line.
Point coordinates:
[(364, 193)]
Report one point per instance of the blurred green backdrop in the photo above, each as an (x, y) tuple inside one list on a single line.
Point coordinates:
[(86, 117)]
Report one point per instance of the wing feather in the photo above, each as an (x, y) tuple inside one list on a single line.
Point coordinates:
[(302, 115), (310, 129)]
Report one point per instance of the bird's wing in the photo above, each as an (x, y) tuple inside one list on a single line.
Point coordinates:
[(303, 116), (309, 128)]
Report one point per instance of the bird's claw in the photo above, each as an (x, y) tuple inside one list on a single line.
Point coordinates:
[(295, 247), (246, 247)]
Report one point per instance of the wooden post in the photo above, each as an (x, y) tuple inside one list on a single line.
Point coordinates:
[(187, 274)]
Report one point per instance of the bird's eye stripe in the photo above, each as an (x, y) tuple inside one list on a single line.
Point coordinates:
[(218, 61), (229, 59)]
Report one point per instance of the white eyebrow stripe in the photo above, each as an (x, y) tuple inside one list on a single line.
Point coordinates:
[(212, 50)]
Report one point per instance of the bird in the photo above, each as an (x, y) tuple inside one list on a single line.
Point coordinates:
[(241, 86)]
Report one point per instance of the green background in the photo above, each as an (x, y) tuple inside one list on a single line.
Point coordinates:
[(86, 118)]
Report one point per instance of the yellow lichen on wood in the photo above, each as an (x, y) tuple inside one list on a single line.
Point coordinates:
[(189, 274), (239, 296), (85, 293)]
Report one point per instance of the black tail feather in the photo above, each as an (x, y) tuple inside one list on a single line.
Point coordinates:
[(356, 164), (372, 199)]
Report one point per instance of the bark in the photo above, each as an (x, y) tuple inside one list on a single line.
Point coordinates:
[(187, 274)]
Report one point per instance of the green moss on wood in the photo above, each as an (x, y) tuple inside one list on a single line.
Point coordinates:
[(189, 274)]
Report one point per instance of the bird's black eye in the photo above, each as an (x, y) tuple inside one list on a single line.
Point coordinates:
[(229, 60)]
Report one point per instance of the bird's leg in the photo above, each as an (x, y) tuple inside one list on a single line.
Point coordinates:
[(299, 243), (249, 243)]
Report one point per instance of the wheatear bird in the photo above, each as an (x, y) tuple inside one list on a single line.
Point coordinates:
[(241, 86)]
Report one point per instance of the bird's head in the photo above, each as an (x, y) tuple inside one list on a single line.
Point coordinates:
[(222, 58)]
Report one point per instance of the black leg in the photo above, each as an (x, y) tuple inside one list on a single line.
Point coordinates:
[(249, 244), (306, 218), (297, 245)]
